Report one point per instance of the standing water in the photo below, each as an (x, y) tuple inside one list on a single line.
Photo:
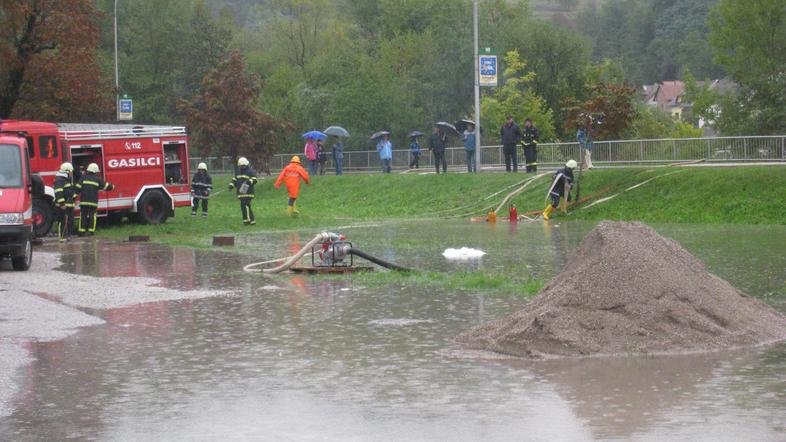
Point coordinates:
[(295, 357)]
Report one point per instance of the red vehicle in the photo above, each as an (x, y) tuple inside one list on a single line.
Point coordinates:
[(16, 202), (147, 164)]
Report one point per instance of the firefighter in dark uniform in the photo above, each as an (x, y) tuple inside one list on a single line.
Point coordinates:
[(201, 186), (64, 200), (560, 187), (244, 183), (529, 139), (88, 187)]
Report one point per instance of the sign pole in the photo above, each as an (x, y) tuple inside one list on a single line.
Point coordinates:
[(117, 72), (477, 85)]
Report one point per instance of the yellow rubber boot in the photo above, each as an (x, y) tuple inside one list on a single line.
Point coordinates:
[(547, 212), (290, 209), (294, 209)]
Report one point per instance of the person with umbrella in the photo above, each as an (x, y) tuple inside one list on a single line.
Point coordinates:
[(530, 142), (510, 133), (414, 149), (310, 151), (291, 176), (385, 149), (469, 147), (437, 144), (338, 147)]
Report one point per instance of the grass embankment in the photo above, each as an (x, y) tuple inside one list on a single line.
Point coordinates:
[(745, 195)]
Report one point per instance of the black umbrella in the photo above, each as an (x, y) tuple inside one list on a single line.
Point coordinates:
[(416, 134), (461, 125), (447, 126), (379, 134)]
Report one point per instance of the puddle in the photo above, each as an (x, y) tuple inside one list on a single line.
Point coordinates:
[(296, 357)]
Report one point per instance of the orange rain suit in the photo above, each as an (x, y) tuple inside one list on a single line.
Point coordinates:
[(291, 177)]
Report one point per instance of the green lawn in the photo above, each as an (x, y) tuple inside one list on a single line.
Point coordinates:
[(745, 195)]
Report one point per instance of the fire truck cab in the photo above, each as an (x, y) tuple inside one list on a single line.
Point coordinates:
[(16, 202), (148, 166)]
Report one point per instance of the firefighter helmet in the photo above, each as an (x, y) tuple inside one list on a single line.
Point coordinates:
[(242, 161), (66, 167), (295, 159), (92, 168), (202, 166), (571, 164)]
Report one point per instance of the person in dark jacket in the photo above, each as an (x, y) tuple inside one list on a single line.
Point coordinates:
[(338, 156), (560, 188), (529, 139), (414, 151), (244, 183), (201, 186), (65, 192), (437, 144), (322, 157), (510, 134), (88, 187)]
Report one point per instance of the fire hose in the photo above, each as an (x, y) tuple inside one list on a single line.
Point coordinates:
[(323, 237)]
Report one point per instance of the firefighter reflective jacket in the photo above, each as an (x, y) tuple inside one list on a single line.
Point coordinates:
[(244, 182), (64, 190), (89, 186), (202, 185)]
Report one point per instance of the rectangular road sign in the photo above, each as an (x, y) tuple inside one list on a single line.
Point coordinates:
[(125, 109), (488, 70)]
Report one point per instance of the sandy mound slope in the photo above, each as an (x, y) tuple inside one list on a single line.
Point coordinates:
[(629, 290)]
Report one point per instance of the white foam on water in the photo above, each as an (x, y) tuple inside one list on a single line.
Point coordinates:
[(463, 254)]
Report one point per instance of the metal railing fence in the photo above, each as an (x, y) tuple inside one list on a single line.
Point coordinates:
[(604, 153)]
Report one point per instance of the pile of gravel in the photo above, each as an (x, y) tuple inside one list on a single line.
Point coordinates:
[(628, 290)]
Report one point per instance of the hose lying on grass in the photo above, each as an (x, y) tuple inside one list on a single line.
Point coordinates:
[(320, 238)]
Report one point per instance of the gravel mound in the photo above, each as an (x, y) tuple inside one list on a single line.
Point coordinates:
[(628, 290)]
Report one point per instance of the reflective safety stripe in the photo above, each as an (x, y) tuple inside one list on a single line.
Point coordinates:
[(245, 196), (107, 186), (87, 203), (60, 200), (90, 182), (59, 189)]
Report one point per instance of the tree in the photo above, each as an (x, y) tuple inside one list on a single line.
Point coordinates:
[(224, 119), (49, 69), (615, 101), (749, 38), (517, 98)]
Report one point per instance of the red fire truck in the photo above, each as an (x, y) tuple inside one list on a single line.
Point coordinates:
[(147, 164)]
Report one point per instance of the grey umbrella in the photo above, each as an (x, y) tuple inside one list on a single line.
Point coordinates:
[(337, 131), (448, 126), (416, 133), (379, 134)]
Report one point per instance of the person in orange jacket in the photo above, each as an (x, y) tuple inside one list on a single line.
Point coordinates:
[(291, 176)]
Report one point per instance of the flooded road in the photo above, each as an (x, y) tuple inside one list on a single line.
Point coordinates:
[(258, 357)]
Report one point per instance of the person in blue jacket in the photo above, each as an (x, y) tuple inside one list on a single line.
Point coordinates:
[(385, 149), (414, 150), (469, 147)]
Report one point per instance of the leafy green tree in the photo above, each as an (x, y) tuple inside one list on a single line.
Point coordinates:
[(749, 39), (517, 98)]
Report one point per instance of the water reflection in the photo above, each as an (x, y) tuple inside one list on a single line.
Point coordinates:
[(302, 357)]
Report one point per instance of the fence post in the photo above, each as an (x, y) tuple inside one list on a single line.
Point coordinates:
[(744, 148), (783, 148), (708, 150), (641, 148), (674, 150)]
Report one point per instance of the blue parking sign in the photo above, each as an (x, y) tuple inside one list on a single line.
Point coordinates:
[(487, 64), (125, 109)]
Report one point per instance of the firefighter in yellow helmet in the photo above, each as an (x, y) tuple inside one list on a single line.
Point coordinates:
[(560, 188), (244, 182), (291, 176), (88, 187), (65, 191)]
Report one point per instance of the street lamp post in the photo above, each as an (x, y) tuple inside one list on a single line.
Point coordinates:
[(117, 72), (477, 84)]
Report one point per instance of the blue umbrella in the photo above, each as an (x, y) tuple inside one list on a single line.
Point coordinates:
[(315, 134)]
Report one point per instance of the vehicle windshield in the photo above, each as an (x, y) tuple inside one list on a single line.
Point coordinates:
[(10, 166)]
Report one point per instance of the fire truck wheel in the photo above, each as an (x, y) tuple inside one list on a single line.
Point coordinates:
[(43, 217), (23, 261), (153, 208)]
